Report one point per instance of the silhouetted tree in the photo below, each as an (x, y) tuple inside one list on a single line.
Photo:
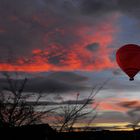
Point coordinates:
[(71, 113), (15, 110)]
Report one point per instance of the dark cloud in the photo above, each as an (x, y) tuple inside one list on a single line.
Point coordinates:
[(56, 60), (130, 104), (102, 8), (78, 79), (130, 8), (134, 110), (93, 47), (54, 82), (51, 86), (69, 102), (72, 102), (117, 72), (58, 82), (97, 7), (68, 77)]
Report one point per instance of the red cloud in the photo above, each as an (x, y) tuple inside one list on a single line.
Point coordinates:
[(131, 104), (105, 106), (76, 56), (112, 104)]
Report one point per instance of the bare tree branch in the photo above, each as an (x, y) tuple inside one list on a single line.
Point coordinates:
[(14, 108)]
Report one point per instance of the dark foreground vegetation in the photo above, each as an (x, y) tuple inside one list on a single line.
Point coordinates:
[(45, 132)]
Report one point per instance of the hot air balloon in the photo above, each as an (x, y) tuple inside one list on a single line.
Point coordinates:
[(128, 58)]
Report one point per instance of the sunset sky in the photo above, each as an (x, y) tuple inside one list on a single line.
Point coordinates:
[(67, 47)]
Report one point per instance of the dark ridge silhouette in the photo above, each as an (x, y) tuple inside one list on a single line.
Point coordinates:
[(28, 132), (45, 132), (101, 135)]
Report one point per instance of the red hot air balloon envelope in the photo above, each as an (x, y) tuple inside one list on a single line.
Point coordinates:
[(128, 58)]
